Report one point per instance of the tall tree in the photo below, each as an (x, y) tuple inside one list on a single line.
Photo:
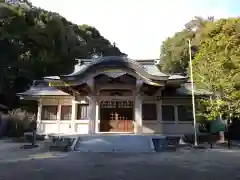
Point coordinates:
[(36, 43), (174, 50), (217, 66)]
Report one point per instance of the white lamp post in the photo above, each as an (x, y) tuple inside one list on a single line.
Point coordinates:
[(193, 97)]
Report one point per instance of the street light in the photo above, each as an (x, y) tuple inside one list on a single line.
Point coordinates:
[(193, 97)]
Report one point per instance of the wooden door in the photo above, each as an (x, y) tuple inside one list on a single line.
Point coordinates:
[(116, 116)]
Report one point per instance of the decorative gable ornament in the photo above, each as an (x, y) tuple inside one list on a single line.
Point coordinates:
[(114, 73)]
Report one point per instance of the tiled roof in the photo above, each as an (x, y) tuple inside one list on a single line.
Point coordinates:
[(186, 89), (52, 77), (175, 76), (43, 91), (153, 69), (147, 65), (145, 69), (78, 69)]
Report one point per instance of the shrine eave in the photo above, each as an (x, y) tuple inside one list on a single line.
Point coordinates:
[(35, 91), (112, 62), (145, 70)]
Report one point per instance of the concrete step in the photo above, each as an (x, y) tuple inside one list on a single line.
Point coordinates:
[(114, 143), (60, 142)]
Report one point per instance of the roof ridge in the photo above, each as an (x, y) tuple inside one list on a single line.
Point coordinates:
[(140, 61)]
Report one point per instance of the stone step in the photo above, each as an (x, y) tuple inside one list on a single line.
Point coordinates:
[(115, 143)]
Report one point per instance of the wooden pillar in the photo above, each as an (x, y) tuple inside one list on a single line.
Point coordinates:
[(92, 114), (138, 109), (58, 116), (39, 118), (138, 115), (74, 110), (92, 106), (176, 121), (97, 120)]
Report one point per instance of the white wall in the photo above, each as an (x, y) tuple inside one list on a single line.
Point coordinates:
[(62, 126), (164, 128), (159, 126), (90, 125)]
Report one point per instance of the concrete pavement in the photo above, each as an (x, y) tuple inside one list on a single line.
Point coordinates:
[(185, 164)]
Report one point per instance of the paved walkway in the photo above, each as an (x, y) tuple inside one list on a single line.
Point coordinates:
[(12, 150), (185, 164)]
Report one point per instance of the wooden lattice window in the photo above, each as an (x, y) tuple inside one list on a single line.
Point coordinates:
[(108, 104), (82, 110), (113, 116), (66, 112), (49, 112), (149, 111), (125, 104), (116, 116), (185, 113), (116, 104), (168, 113)]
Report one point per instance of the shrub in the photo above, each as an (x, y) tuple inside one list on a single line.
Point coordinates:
[(3, 124), (19, 121)]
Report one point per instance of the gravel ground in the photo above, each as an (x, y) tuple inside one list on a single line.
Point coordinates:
[(185, 164)]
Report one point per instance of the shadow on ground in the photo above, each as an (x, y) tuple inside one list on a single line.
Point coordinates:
[(190, 164)]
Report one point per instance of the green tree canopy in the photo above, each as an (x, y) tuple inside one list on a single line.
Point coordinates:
[(36, 43), (174, 55), (216, 61), (217, 65)]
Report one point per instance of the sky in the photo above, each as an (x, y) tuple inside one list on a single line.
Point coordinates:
[(138, 27)]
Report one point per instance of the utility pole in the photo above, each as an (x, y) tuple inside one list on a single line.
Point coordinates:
[(193, 96)]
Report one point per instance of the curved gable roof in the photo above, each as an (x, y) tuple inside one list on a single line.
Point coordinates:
[(147, 71)]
